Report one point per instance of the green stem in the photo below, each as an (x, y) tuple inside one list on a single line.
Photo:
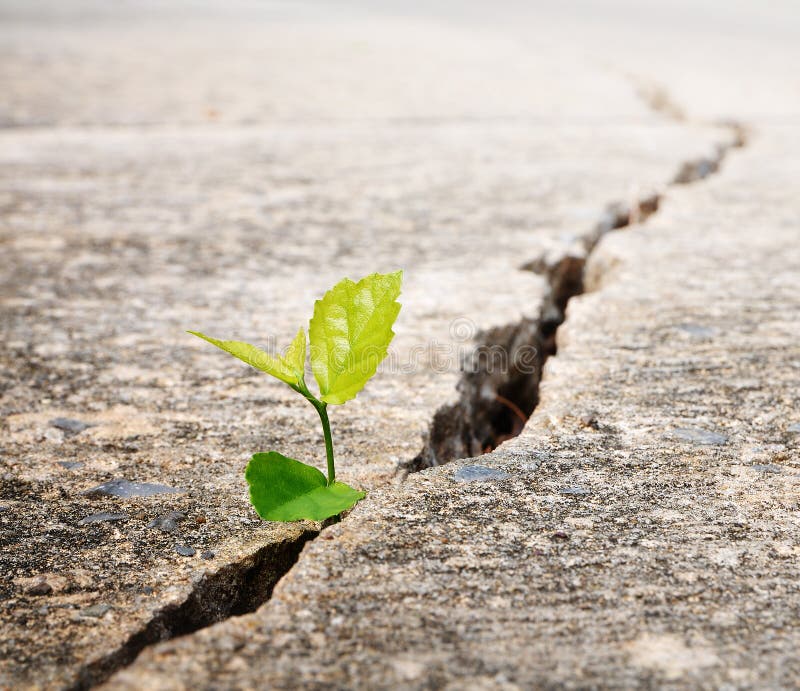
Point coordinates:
[(326, 431), (322, 409)]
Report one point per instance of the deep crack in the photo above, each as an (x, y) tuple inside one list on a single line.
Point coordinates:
[(234, 589), (494, 403), (498, 391)]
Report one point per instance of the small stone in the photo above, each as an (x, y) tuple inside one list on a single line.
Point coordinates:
[(42, 584), (40, 588), (208, 554), (698, 436), (103, 517), (477, 473), (767, 467), (70, 465), (167, 523), (795, 428), (96, 611), (577, 490), (185, 551), (560, 535), (68, 425), (120, 487), (697, 331)]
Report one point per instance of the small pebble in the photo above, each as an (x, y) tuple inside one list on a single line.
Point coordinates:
[(70, 465), (40, 588), (103, 517), (697, 330), (95, 611), (185, 551), (68, 425), (559, 535), (120, 487), (576, 490), (795, 428), (167, 523), (699, 436), (767, 467), (208, 554), (477, 473)]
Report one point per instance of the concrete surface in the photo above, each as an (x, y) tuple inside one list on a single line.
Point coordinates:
[(646, 532), (166, 169)]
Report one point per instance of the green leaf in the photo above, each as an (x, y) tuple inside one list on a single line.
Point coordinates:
[(350, 333), (288, 368), (295, 357), (283, 489)]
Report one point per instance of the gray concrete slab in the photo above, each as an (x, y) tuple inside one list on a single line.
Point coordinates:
[(165, 169), (618, 550)]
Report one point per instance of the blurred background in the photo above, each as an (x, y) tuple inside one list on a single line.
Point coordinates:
[(244, 61)]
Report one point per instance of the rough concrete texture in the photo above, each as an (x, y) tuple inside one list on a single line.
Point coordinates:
[(118, 239), (628, 545), (226, 175)]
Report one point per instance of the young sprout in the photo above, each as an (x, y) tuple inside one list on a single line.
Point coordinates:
[(349, 336)]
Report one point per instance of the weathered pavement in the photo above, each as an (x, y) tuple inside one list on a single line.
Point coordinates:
[(616, 553), (644, 530)]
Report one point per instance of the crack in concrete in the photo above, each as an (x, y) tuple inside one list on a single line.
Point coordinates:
[(493, 406), (700, 168), (236, 588), (491, 402), (498, 392)]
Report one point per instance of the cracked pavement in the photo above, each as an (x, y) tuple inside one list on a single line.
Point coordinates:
[(226, 175)]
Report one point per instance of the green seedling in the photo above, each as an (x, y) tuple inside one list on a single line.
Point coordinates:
[(349, 336)]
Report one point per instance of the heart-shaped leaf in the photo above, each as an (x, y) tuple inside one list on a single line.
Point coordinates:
[(350, 333), (289, 368), (283, 489)]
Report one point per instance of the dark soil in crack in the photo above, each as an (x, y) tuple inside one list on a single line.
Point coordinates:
[(237, 588), (498, 392)]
